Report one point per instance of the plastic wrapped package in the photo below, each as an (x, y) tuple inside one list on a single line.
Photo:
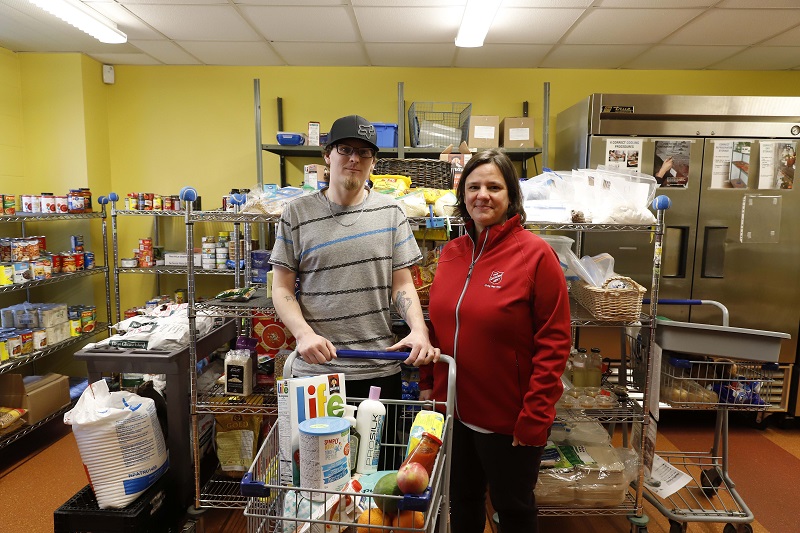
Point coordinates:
[(555, 488), (587, 432), (600, 494), (414, 204)]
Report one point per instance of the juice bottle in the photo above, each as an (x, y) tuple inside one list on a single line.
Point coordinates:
[(594, 368), (579, 362)]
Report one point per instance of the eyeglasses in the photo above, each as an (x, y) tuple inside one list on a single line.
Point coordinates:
[(364, 153)]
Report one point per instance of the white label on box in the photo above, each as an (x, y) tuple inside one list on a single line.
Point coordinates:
[(484, 132), (313, 134), (519, 134)]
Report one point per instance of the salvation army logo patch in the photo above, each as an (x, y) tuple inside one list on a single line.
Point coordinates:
[(495, 277)]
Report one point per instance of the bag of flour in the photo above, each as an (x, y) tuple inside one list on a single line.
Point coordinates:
[(120, 442)]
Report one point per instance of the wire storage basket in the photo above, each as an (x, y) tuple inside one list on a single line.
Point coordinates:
[(438, 124), (623, 304), (432, 173)]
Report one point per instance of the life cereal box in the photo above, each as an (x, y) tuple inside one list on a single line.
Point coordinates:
[(301, 399)]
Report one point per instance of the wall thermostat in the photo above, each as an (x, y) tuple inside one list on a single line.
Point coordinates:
[(108, 74)]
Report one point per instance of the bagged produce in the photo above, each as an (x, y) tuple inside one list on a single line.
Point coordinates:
[(120, 442)]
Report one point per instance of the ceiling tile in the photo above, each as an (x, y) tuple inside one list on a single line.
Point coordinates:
[(628, 26), (402, 54), (410, 3), (316, 54), (503, 56), (748, 4), (303, 23), (235, 53), (547, 3), (534, 26), (591, 56), (289, 2), (762, 58), (166, 51), (656, 3), (195, 23), (125, 59), (677, 57), (420, 25), (788, 38), (735, 26), (129, 24)]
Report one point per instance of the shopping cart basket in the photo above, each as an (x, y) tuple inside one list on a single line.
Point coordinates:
[(269, 501), (690, 379)]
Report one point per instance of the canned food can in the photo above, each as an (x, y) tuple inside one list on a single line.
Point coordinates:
[(19, 250), (140, 198), (148, 201), (14, 345), (132, 202), (26, 341), (68, 262), (177, 204), (56, 260), (78, 257), (158, 202), (62, 205), (5, 250), (167, 201), (37, 269), (75, 327), (74, 311), (42, 242), (39, 339), (180, 296), (88, 260), (9, 204), (36, 203), (88, 319), (76, 243), (27, 203), (48, 203), (4, 355)]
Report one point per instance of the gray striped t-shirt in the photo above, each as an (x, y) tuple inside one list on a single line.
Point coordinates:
[(346, 274)]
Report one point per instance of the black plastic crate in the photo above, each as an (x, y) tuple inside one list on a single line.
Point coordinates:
[(148, 514)]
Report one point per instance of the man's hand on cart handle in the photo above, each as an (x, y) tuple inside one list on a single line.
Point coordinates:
[(421, 350), (425, 395), (315, 349)]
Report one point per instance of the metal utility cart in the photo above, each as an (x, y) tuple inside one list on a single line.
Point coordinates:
[(709, 367), (267, 498)]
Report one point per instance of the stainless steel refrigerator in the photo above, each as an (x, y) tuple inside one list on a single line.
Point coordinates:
[(734, 226)]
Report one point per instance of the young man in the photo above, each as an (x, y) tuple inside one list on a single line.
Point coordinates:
[(351, 250)]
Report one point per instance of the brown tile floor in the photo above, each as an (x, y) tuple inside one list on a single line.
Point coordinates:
[(43, 470)]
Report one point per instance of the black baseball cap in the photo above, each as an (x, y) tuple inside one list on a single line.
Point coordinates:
[(352, 127)]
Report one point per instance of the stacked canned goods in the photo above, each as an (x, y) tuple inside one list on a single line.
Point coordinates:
[(82, 319), (148, 201), (24, 259), (145, 253), (76, 201)]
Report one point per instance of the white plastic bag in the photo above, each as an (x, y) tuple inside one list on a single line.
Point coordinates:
[(120, 442)]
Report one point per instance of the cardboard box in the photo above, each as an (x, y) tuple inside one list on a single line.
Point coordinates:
[(300, 399), (40, 395), (314, 175), (516, 132), (457, 160), (484, 131)]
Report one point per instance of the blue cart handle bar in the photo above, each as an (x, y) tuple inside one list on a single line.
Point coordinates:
[(672, 301), (372, 354)]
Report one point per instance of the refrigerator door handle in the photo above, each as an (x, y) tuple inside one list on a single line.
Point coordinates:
[(714, 252), (676, 251)]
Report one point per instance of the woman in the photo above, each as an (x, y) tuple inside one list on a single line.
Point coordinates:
[(499, 306)]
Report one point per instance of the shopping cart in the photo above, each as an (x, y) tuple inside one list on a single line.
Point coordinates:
[(273, 508), (708, 367)]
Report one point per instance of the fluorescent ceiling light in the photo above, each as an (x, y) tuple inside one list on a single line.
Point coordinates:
[(85, 19), (478, 17)]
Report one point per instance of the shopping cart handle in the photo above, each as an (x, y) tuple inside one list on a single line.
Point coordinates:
[(251, 488), (370, 354), (673, 301)]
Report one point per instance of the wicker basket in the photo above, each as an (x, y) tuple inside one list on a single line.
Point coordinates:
[(424, 294), (611, 304), (432, 173)]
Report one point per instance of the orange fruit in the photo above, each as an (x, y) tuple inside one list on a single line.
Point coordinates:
[(373, 517), (409, 519)]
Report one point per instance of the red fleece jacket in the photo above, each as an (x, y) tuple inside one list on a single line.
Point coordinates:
[(500, 307)]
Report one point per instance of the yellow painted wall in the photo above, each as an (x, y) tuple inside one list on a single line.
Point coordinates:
[(12, 167)]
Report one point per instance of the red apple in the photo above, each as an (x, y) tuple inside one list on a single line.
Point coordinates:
[(412, 478)]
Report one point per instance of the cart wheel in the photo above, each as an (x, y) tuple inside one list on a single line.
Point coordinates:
[(638, 529), (710, 481), (741, 528), (677, 527)]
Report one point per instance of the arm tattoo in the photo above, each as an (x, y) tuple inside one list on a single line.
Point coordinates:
[(402, 303), (289, 298)]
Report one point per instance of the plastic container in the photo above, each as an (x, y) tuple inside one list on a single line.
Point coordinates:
[(387, 134), (579, 362), (355, 438), (425, 452), (286, 138), (594, 368), (369, 424)]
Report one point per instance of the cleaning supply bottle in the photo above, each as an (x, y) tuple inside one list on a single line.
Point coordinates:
[(369, 425), (355, 438)]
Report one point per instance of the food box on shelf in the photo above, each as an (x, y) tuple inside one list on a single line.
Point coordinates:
[(41, 396)]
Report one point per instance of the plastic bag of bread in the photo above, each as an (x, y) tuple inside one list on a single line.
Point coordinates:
[(393, 184), (445, 205), (413, 204)]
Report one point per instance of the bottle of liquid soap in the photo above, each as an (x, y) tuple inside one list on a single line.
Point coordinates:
[(369, 425), (355, 438)]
